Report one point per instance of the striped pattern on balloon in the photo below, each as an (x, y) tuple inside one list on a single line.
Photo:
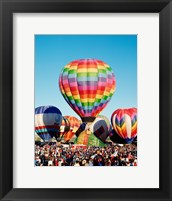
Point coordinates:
[(47, 122), (124, 122), (95, 133), (74, 125), (65, 127), (87, 85)]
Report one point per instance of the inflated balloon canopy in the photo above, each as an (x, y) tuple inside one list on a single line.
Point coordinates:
[(124, 122), (87, 85), (74, 125), (47, 122), (95, 133)]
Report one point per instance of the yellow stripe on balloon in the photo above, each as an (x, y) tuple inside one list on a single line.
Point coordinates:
[(68, 93), (105, 65), (123, 126), (73, 67), (76, 97), (88, 100), (119, 131), (106, 93), (81, 70), (90, 70), (100, 67), (118, 127), (67, 67), (112, 90), (99, 96), (134, 126)]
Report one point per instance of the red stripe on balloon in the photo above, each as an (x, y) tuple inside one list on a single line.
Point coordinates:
[(42, 127)]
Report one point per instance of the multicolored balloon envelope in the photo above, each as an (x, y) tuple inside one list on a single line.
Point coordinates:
[(74, 125), (95, 133), (106, 120), (87, 85), (65, 127), (47, 121), (89, 139), (101, 127), (124, 122)]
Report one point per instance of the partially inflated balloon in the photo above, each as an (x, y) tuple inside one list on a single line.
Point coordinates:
[(65, 127), (106, 120), (87, 138), (101, 127), (87, 85), (47, 121), (124, 122), (95, 133), (74, 125)]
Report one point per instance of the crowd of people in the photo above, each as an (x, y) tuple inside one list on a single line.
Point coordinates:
[(67, 155)]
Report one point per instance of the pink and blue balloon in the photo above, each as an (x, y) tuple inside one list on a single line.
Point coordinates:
[(124, 122)]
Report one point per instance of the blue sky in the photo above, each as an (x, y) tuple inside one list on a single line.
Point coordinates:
[(53, 52)]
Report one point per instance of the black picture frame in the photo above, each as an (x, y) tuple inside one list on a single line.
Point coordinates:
[(7, 8)]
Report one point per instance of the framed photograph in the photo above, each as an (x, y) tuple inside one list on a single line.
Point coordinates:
[(85, 100)]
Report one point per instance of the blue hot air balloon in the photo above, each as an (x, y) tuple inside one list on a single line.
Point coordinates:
[(47, 122)]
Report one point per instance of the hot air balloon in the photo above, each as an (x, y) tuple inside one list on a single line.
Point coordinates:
[(87, 137), (107, 121), (124, 122), (101, 127), (74, 125), (96, 133), (87, 85), (65, 127), (47, 122)]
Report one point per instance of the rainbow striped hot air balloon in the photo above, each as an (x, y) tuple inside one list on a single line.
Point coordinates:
[(124, 122), (87, 85), (47, 122)]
